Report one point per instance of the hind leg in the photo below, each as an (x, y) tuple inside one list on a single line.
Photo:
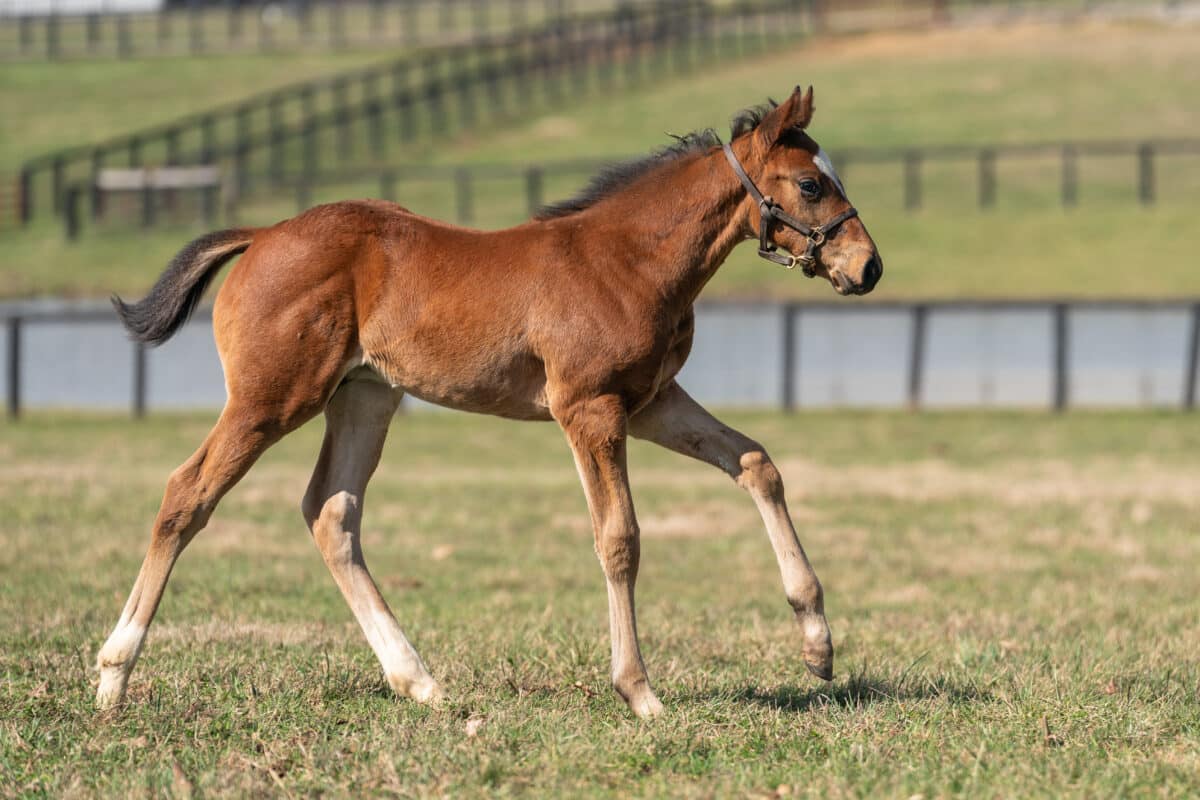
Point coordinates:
[(193, 491), (357, 420)]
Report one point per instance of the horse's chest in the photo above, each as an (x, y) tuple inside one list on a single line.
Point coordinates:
[(661, 364)]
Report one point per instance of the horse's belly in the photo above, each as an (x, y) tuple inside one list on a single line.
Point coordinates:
[(513, 386)]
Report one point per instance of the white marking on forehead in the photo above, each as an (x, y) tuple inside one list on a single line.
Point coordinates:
[(821, 159)]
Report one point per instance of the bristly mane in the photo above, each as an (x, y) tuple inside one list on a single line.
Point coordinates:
[(613, 178)]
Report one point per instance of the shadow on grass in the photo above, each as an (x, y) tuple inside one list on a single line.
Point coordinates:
[(860, 690)]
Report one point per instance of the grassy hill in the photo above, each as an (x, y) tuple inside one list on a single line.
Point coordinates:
[(1084, 80)]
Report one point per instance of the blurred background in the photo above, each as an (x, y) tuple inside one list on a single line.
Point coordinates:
[(1031, 172)]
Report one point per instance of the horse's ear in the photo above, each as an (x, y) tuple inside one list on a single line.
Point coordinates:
[(795, 112)]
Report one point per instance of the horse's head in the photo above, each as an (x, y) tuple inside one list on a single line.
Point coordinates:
[(802, 206)]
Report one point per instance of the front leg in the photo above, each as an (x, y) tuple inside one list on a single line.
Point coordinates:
[(676, 421), (595, 428)]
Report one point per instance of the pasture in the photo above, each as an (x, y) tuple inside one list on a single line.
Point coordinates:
[(1045, 82), (1012, 597)]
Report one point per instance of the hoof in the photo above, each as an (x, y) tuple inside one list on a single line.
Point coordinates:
[(428, 694), (818, 645), (424, 690), (111, 692), (823, 671), (646, 707)]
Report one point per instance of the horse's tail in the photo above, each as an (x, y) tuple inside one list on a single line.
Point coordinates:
[(157, 316)]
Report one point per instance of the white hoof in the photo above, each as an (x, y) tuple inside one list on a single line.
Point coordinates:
[(112, 690), (424, 690)]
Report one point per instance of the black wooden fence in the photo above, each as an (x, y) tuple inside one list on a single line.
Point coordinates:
[(463, 182), (207, 27), (16, 324), (298, 129)]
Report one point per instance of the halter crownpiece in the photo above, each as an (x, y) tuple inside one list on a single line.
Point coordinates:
[(771, 212)]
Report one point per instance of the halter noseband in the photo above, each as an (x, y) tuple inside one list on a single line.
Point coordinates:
[(771, 212)]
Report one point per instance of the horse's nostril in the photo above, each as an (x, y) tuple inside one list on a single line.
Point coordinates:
[(872, 272)]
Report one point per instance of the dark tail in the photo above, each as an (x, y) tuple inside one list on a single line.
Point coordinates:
[(157, 316)]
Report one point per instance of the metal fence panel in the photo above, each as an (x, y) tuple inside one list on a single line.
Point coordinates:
[(851, 358), (4, 330), (1128, 357), (185, 373), (982, 357), (76, 365), (736, 356)]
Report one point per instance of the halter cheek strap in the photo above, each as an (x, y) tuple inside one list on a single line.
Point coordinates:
[(771, 212)]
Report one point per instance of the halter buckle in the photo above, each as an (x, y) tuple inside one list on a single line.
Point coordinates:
[(817, 237)]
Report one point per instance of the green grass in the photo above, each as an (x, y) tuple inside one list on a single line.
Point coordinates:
[(1009, 84), (1012, 597), (48, 106)]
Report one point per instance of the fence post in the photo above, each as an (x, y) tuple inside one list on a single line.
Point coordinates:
[(93, 32), (533, 189), (987, 178), (303, 193), (25, 182), (1146, 173), (124, 37), (57, 177), (1070, 176), (410, 21), (788, 394), (97, 196), (466, 96), (275, 136), (25, 32), (378, 19), (52, 41), (14, 368), (195, 27), (1062, 345), (434, 94), (1190, 367), (463, 195), (374, 110), (71, 212), (149, 200), (233, 21), (916, 356), (242, 149), (139, 380), (342, 118), (337, 26), (912, 180), (304, 14), (311, 153), (387, 185)]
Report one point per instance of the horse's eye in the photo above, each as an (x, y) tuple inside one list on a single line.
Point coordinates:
[(810, 189)]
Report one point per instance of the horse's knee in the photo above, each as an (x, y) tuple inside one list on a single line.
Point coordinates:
[(619, 549), (334, 528), (759, 475)]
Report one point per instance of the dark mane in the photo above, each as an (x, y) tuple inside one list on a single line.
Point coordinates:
[(613, 178)]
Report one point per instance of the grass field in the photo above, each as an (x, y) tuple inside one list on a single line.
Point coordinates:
[(1013, 598), (1086, 80)]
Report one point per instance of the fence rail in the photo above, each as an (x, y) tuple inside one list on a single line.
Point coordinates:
[(89, 30), (1057, 354), (463, 182), (196, 27), (433, 93)]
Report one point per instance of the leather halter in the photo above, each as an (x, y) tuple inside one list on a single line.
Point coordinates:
[(771, 212)]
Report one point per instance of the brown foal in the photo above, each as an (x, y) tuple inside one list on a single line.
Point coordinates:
[(582, 315)]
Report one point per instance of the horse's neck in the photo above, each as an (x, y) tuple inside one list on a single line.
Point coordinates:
[(685, 217)]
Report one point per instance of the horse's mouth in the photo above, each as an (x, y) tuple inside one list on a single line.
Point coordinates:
[(844, 286)]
